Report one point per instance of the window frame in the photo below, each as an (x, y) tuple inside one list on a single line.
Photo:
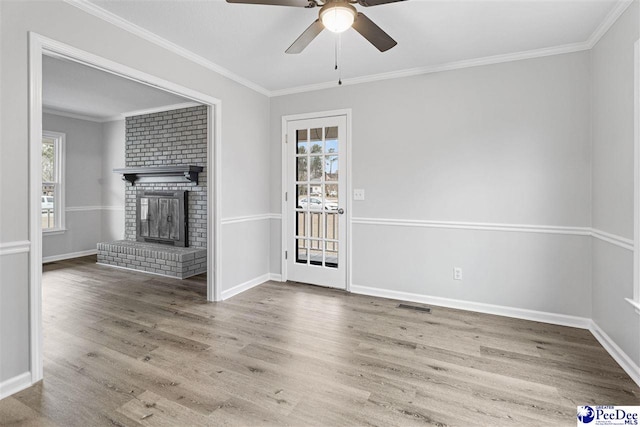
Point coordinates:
[(59, 206)]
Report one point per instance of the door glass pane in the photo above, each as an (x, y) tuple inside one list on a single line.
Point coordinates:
[(331, 168), (316, 191), (315, 139), (315, 225), (315, 168), (331, 192), (301, 224), (302, 198), (331, 225), (317, 173), (331, 254), (301, 169), (315, 252), (302, 250), (331, 140), (310, 203), (301, 140)]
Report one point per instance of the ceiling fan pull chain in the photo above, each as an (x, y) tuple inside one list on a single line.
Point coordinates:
[(336, 52), (338, 56)]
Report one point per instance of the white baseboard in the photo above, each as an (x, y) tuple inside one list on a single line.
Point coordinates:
[(15, 384), (499, 310), (275, 277), (616, 352), (245, 286), (71, 255)]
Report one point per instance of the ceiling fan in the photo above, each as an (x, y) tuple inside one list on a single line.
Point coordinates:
[(336, 16)]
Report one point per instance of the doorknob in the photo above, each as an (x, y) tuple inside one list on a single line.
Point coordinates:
[(340, 211)]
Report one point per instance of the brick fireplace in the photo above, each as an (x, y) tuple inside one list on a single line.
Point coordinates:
[(165, 206)]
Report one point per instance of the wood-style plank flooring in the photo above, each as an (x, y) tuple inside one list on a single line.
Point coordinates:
[(129, 349)]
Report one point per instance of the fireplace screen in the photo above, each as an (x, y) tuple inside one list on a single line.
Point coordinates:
[(162, 217)]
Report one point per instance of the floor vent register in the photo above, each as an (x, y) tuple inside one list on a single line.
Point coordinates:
[(414, 307)]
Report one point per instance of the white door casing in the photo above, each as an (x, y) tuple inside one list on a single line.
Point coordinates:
[(40, 45)]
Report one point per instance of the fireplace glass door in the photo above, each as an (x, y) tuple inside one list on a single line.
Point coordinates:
[(162, 217), (159, 218)]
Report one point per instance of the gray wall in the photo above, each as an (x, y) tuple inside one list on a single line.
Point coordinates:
[(246, 188), (94, 194), (506, 143), (14, 342), (83, 189), (245, 129), (612, 83), (113, 188)]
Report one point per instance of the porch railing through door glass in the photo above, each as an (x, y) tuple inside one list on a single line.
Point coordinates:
[(313, 248)]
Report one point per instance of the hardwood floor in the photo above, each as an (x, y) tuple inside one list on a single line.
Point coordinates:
[(129, 349)]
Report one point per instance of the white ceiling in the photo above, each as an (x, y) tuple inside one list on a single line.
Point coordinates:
[(250, 40), (70, 87)]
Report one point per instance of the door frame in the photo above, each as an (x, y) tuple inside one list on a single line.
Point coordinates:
[(285, 214), (40, 45)]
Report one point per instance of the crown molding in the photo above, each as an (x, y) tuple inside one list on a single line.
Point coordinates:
[(615, 13), (162, 109), (72, 115), (120, 22), (611, 18), (468, 63), (64, 113), (608, 22)]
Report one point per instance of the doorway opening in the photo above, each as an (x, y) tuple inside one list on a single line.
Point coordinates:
[(40, 47)]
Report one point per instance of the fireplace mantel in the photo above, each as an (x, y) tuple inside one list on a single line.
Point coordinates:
[(181, 173)]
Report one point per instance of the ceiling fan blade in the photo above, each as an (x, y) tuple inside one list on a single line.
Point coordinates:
[(306, 37), (367, 3), (292, 3), (370, 31)]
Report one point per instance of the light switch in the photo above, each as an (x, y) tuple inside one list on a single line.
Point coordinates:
[(358, 194)]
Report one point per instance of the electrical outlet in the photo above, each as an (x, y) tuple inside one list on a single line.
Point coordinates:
[(457, 273)]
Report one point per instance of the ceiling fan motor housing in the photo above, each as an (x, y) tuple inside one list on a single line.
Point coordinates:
[(337, 16)]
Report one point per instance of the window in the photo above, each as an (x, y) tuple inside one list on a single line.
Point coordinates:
[(52, 198)]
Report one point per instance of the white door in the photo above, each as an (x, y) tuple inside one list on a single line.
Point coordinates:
[(316, 201)]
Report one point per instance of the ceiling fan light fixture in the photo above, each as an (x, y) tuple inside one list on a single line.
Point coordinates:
[(337, 17)]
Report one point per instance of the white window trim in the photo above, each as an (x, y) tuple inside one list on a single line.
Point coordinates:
[(60, 171)]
